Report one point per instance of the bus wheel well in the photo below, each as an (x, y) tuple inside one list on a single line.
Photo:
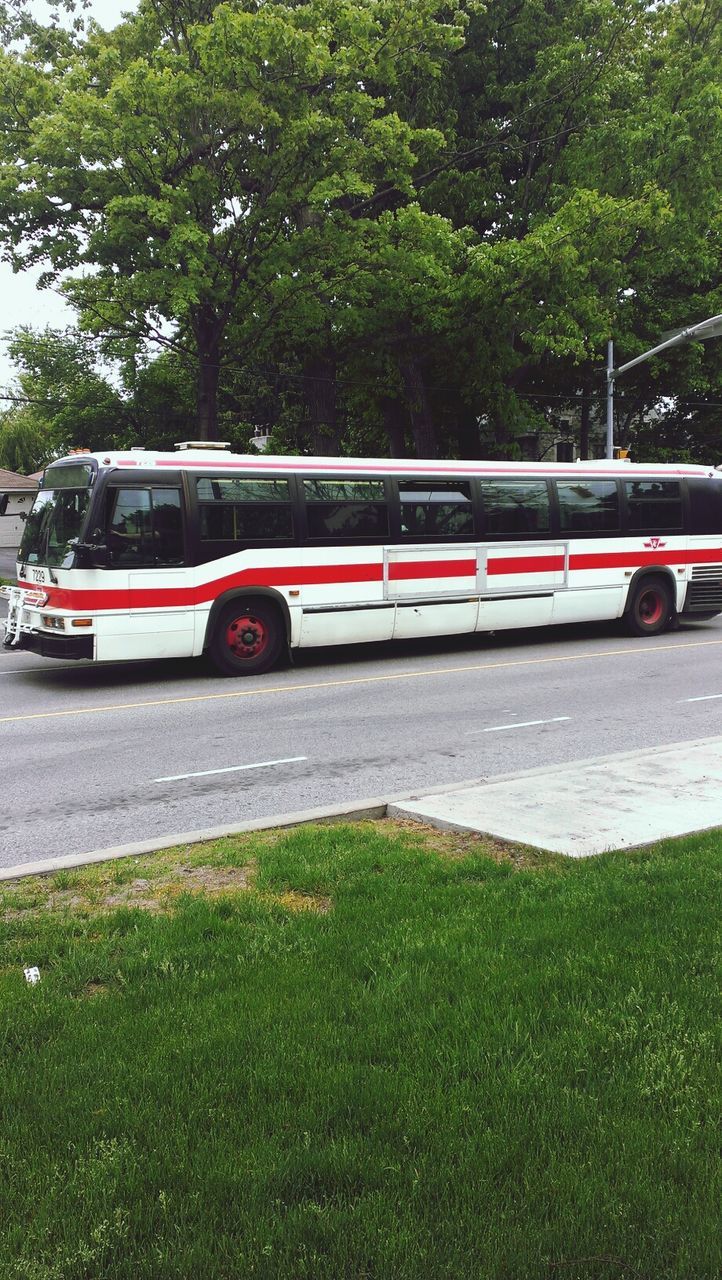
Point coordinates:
[(651, 605), (247, 595)]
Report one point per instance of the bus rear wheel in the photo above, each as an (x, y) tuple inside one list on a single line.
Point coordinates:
[(247, 638), (651, 607)]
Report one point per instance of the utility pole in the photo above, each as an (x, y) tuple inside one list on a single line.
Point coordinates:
[(711, 328), (610, 399)]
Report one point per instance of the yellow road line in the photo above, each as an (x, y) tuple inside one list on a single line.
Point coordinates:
[(335, 684)]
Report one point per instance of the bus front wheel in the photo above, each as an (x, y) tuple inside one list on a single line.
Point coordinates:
[(651, 607), (247, 639)]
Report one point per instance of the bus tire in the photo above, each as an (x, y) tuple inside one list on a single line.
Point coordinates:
[(650, 609), (247, 638)]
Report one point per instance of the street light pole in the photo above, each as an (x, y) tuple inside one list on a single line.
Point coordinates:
[(711, 328), (610, 399)]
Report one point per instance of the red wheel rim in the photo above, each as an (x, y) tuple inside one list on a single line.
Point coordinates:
[(246, 636), (651, 607)]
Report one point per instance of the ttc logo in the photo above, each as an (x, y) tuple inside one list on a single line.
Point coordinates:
[(655, 544)]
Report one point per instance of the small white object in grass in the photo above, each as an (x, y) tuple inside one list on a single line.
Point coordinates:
[(32, 975)]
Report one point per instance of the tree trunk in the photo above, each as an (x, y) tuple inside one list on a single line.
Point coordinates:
[(207, 335), (584, 420), (467, 433), (319, 368), (422, 423), (394, 424), (500, 422), (320, 396)]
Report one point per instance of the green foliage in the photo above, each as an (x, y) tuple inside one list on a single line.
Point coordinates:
[(69, 403), (176, 154), (24, 446)]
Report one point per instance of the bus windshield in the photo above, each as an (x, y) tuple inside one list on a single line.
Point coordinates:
[(57, 517)]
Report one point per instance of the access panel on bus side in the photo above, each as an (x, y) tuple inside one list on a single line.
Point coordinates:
[(425, 583)]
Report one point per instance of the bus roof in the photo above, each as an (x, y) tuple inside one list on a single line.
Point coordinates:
[(221, 460)]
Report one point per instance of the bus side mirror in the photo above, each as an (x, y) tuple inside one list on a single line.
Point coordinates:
[(90, 555), (11, 504)]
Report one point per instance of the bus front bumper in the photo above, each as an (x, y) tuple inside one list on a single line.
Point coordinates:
[(22, 630), (49, 646)]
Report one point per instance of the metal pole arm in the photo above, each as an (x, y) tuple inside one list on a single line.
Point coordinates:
[(711, 328)]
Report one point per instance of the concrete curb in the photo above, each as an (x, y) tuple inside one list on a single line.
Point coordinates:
[(337, 813), (363, 809)]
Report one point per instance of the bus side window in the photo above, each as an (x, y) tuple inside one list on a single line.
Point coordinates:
[(243, 510), (705, 505), (654, 506), (588, 506), (340, 509), (436, 508), (515, 508)]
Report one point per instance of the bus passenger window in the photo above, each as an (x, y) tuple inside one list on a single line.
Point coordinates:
[(655, 506), (516, 508), (436, 509), (340, 509), (588, 506), (233, 509)]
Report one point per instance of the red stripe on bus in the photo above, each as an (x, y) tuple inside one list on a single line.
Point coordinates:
[(525, 564), (409, 569), (639, 559), (88, 600), (175, 597)]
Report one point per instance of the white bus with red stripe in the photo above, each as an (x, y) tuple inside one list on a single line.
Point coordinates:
[(137, 555)]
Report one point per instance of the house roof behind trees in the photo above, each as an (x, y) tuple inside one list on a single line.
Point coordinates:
[(10, 480)]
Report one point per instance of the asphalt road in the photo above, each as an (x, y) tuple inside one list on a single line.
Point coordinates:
[(94, 756), (8, 561)]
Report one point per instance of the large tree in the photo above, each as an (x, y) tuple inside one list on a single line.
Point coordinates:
[(176, 160), (481, 297)]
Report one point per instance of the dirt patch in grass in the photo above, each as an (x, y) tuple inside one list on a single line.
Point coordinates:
[(214, 880), (294, 901), (154, 894), (463, 844), (93, 989), (158, 894)]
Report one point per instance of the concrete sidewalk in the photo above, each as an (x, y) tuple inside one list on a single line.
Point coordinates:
[(579, 809)]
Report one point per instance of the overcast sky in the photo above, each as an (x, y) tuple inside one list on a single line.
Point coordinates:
[(23, 302)]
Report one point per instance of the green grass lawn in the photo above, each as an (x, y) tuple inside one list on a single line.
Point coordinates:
[(363, 1052)]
